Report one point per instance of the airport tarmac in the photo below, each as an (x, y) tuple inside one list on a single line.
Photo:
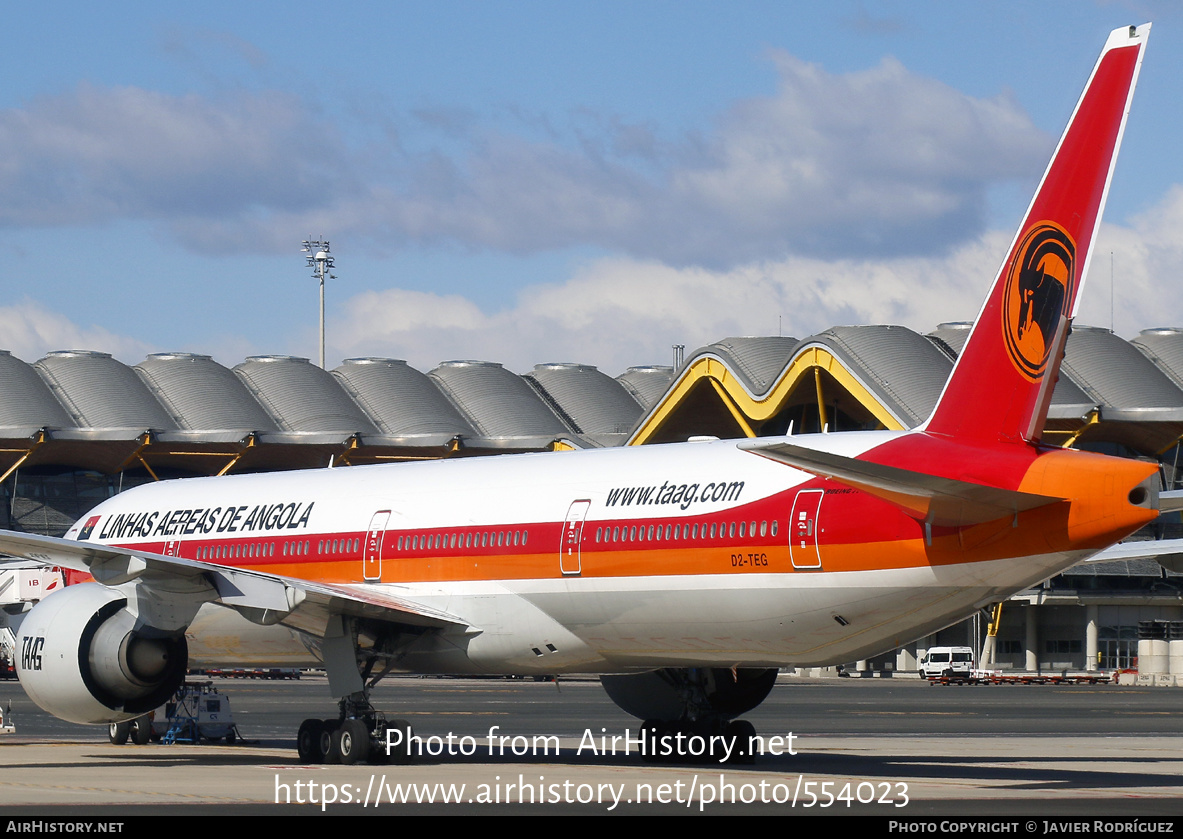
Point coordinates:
[(891, 748)]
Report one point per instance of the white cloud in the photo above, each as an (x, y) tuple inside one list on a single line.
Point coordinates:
[(30, 330), (881, 161), (97, 154), (619, 312), (1146, 267)]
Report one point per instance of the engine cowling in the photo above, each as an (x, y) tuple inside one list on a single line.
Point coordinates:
[(689, 694), (83, 657)]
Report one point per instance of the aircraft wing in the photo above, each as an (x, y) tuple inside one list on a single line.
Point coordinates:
[(260, 597), (941, 501)]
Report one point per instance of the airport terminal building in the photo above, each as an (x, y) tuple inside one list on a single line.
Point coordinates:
[(79, 426)]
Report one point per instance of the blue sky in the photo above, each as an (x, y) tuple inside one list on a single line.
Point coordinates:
[(533, 182)]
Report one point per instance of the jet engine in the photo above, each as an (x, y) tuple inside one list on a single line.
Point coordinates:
[(84, 657), (690, 694)]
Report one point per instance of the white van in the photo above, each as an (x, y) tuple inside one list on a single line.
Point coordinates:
[(946, 661)]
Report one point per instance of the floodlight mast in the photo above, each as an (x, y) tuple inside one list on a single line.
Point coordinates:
[(320, 261)]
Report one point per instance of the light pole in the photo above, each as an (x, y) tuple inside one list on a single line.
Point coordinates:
[(320, 262)]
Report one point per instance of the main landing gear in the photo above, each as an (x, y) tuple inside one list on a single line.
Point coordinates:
[(359, 734), (690, 713)]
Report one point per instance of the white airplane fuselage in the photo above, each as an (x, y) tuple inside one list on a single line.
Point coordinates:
[(596, 561)]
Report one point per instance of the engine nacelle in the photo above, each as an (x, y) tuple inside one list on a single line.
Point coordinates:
[(690, 694), (81, 656)]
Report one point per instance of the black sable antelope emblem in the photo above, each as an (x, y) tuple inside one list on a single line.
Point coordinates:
[(1040, 282)]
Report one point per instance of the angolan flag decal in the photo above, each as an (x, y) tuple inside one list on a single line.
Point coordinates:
[(88, 527)]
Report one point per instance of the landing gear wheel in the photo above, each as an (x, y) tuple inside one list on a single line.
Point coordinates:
[(360, 733), (742, 734), (308, 745), (231, 737), (119, 732), (400, 753), (328, 742), (141, 731), (352, 742)]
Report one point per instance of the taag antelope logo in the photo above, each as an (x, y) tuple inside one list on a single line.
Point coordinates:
[(1038, 290)]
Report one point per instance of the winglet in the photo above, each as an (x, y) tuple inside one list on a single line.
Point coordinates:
[(1002, 383)]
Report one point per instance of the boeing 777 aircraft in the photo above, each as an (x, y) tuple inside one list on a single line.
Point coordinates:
[(684, 573)]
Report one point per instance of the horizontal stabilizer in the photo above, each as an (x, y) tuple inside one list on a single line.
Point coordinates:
[(1166, 552), (945, 502)]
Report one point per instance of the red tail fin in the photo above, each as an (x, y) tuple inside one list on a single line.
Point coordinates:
[(1002, 383)]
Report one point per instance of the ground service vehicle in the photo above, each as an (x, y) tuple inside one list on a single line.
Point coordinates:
[(947, 661)]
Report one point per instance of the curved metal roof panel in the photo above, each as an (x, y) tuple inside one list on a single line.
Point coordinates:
[(496, 402), (28, 402), (647, 383), (592, 402), (760, 360), (201, 394), (1121, 379), (903, 368), (301, 397), (951, 337), (100, 392), (1164, 346), (400, 399)]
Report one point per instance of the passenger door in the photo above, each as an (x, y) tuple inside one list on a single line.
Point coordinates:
[(803, 529), (372, 555), (569, 550)]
